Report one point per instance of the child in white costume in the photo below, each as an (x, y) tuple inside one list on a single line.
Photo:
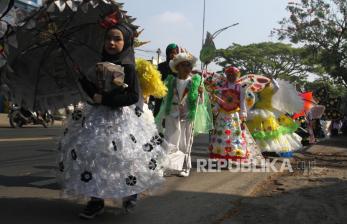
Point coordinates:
[(110, 150), (186, 111)]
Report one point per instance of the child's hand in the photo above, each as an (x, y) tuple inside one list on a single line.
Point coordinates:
[(97, 98), (117, 82)]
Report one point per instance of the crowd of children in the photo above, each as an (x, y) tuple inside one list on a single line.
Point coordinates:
[(116, 147)]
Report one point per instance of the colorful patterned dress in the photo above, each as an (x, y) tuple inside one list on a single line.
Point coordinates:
[(228, 139)]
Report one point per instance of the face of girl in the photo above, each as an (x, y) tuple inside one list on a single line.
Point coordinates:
[(184, 69), (114, 42)]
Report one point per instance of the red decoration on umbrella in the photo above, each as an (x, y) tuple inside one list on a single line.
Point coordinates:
[(110, 20)]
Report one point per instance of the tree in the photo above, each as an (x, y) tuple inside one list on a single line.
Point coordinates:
[(330, 94), (333, 89), (321, 27), (277, 60)]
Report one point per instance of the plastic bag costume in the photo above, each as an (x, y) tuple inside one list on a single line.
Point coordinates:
[(111, 153)]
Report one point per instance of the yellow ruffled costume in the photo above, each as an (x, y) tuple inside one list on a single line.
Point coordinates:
[(264, 119), (272, 130), (150, 79)]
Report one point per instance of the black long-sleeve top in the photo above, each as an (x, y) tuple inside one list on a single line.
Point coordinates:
[(165, 71), (117, 98)]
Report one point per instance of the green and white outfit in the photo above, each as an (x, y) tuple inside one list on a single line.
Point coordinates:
[(185, 114)]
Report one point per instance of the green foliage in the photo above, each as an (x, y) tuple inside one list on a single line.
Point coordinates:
[(208, 51), (334, 89), (321, 26), (277, 60)]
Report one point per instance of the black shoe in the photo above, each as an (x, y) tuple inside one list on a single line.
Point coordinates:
[(93, 208), (129, 204)]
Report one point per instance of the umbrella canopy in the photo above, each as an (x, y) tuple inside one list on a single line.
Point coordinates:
[(255, 83), (45, 51), (5, 7)]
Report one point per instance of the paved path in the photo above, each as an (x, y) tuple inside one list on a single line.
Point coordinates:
[(29, 193)]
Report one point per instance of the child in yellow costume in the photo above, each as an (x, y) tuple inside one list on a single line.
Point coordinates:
[(271, 128)]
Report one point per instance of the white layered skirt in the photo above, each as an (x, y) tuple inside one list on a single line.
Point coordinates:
[(108, 153)]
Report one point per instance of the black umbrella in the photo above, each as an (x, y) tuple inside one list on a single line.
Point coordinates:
[(51, 44), (5, 7)]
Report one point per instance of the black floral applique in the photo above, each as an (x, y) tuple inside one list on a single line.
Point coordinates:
[(114, 145), (157, 140), (131, 180), (138, 112), (152, 164), (148, 147), (133, 138), (73, 154), (86, 176), (77, 115)]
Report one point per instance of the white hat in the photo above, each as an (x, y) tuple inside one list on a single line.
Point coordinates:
[(181, 57)]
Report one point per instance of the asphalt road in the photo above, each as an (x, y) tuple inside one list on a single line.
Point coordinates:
[(30, 194)]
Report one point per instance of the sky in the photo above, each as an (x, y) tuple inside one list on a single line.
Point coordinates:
[(180, 21)]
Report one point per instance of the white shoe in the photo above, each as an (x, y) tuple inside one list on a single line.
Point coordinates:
[(184, 173)]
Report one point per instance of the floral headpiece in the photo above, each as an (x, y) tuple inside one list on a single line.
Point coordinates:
[(232, 71)]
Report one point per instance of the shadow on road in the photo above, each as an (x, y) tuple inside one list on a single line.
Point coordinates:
[(175, 207), (324, 204), (338, 141), (28, 181)]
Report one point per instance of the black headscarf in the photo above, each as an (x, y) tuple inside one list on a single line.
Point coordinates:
[(169, 49), (127, 55)]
